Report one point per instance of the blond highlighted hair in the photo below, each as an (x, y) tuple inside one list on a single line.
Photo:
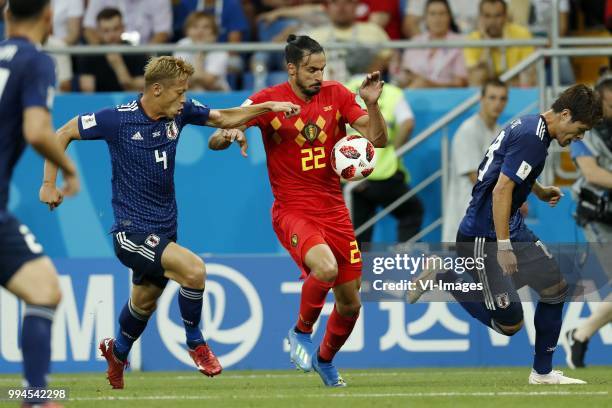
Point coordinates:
[(166, 68)]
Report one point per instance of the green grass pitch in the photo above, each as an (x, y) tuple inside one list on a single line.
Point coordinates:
[(373, 388)]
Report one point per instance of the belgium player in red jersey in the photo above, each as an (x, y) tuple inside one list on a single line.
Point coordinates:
[(309, 215)]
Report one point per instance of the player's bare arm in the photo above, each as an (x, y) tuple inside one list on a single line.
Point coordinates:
[(49, 193), (549, 194), (502, 204), (593, 173), (223, 138), (38, 131), (372, 126), (235, 117)]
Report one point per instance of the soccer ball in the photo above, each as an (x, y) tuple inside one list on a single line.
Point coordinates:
[(353, 158)]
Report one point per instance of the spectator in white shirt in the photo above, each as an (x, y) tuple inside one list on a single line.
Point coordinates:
[(468, 148), (210, 67), (147, 21), (67, 18), (63, 65)]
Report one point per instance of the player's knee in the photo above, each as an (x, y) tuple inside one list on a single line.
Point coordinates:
[(195, 274), (555, 293), (326, 270), (509, 330), (144, 307), (508, 321), (349, 309)]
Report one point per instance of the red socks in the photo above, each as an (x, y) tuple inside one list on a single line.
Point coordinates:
[(339, 329), (313, 297)]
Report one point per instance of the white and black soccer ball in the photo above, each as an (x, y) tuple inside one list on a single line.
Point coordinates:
[(353, 158)]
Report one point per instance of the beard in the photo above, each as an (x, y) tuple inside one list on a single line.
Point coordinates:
[(307, 90)]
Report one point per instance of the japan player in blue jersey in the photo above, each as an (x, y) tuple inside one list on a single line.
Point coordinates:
[(493, 228), (27, 77), (144, 134)]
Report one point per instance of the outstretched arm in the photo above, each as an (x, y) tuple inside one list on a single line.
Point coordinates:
[(372, 126), (49, 193), (549, 194), (236, 117), (223, 138)]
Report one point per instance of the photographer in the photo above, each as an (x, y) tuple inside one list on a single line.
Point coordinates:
[(593, 156)]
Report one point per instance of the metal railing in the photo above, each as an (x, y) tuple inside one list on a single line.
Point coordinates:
[(249, 47)]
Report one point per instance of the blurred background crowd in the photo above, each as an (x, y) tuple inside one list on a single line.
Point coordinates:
[(192, 22)]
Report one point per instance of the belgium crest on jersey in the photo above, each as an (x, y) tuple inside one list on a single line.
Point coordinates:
[(172, 130), (311, 132)]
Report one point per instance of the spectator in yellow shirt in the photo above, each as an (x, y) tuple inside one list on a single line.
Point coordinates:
[(485, 63)]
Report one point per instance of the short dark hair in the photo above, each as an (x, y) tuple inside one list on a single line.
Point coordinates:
[(299, 47), (583, 103), (107, 13), (26, 9), (496, 82), (503, 2)]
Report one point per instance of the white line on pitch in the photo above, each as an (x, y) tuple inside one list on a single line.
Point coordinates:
[(228, 376), (346, 395)]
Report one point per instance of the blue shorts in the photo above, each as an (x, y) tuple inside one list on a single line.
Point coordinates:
[(142, 253), (536, 267), (17, 246)]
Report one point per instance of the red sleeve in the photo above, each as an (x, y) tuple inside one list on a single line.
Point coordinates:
[(349, 108), (259, 97)]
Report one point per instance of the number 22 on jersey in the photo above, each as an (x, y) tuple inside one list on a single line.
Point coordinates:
[(313, 158)]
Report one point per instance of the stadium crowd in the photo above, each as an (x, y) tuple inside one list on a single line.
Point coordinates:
[(187, 22)]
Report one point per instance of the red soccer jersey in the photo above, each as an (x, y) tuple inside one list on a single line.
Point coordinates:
[(298, 148)]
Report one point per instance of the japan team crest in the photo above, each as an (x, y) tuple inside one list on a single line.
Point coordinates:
[(310, 132), (152, 240), (172, 130)]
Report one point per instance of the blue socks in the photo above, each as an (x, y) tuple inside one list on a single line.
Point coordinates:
[(131, 326), (36, 344), (190, 304), (547, 320)]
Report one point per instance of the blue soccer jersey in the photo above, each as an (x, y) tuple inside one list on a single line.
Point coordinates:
[(142, 153), (519, 152), (27, 76)]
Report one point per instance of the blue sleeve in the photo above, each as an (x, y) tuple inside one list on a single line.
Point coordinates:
[(195, 113), (39, 82), (524, 152), (580, 149), (103, 125)]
